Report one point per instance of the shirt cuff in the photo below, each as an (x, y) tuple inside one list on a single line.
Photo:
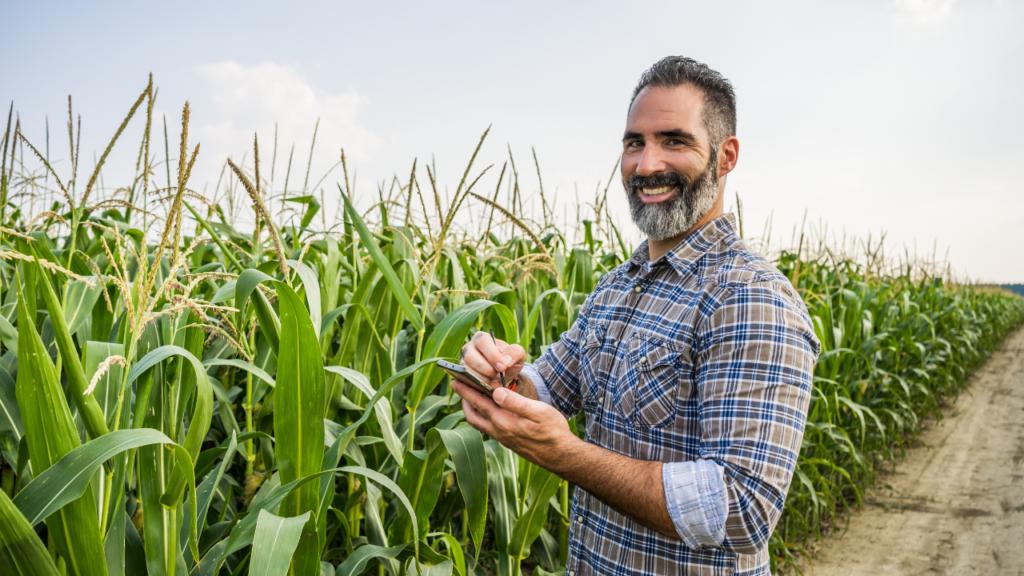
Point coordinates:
[(697, 501), (531, 372)]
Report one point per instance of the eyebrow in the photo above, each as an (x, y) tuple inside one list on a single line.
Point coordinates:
[(674, 133)]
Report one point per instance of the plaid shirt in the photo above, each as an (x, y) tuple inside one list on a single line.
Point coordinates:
[(703, 360)]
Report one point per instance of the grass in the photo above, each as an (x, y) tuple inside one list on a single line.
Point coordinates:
[(180, 392)]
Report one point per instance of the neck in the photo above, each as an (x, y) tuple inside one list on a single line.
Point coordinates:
[(658, 248)]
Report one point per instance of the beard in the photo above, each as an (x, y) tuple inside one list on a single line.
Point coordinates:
[(681, 212)]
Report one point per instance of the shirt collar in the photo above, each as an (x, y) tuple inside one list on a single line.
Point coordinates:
[(691, 248)]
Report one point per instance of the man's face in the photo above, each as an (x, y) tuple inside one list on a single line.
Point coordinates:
[(669, 170)]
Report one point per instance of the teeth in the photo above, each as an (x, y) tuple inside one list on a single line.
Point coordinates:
[(655, 191)]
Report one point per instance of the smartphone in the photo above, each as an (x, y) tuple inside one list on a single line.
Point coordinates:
[(466, 376)]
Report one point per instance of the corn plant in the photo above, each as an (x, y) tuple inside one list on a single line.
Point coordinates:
[(184, 394)]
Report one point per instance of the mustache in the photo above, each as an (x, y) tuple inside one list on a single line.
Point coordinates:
[(637, 181)]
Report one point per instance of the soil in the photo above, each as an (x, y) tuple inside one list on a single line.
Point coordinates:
[(955, 504)]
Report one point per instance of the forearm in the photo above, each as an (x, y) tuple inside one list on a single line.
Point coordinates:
[(630, 486)]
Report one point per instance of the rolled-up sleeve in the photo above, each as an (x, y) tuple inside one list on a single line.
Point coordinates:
[(533, 375), (754, 372), (697, 501)]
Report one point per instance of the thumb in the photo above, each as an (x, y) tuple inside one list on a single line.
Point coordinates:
[(516, 403)]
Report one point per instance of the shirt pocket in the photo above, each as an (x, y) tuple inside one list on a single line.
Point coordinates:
[(650, 382)]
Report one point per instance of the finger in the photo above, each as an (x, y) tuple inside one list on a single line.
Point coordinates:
[(472, 359), (486, 408), (474, 419), (492, 351), (520, 405), (514, 355), (481, 403)]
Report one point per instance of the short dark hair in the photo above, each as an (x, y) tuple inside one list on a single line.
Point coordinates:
[(719, 114)]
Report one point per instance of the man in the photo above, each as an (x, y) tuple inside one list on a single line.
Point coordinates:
[(692, 362)]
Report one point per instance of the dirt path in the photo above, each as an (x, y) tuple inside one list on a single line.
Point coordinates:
[(956, 503)]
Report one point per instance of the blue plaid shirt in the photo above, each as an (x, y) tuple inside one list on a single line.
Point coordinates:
[(702, 360)]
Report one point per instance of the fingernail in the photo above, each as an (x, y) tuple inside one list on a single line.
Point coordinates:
[(508, 360), (499, 367), (499, 395)]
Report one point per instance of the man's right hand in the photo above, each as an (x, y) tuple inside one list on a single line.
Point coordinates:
[(488, 357)]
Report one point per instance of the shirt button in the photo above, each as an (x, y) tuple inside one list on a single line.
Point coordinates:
[(579, 519), (572, 573), (643, 359), (638, 289), (600, 400)]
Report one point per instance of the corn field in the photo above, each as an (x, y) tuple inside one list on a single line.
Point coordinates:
[(180, 394)]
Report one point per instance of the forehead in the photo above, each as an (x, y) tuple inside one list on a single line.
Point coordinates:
[(659, 108)]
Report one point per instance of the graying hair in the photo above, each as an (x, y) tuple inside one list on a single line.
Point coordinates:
[(719, 115)]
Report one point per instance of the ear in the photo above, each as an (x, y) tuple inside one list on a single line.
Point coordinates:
[(728, 156)]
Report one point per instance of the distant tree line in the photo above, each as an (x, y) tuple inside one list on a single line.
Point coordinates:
[(1018, 288)]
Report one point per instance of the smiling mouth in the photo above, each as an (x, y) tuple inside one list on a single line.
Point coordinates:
[(659, 194)]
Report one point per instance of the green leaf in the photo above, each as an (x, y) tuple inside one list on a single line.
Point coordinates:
[(243, 365), (93, 354), (67, 480), (200, 417), (80, 301), (454, 551), (531, 322), (445, 342), (298, 418), (242, 535), (356, 562), (502, 482), (88, 407), (206, 490), (21, 551), (382, 409), (370, 243), (8, 334), (540, 487), (466, 447), (50, 434), (245, 286), (312, 286), (274, 543), (421, 482), (11, 428)]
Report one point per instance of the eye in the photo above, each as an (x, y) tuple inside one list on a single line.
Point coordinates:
[(634, 144), (675, 142)]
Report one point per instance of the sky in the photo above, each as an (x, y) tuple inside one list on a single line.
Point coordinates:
[(894, 116)]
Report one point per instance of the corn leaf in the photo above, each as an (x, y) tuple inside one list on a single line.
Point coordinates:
[(298, 418), (356, 562), (88, 407), (81, 298), (421, 482), (540, 487), (51, 434), (370, 243), (382, 409), (466, 447), (274, 543), (11, 428), (200, 418), (445, 342), (93, 354), (21, 551)]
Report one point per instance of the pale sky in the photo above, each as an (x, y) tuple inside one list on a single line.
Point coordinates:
[(904, 116)]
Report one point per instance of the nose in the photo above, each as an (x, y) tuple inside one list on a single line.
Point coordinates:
[(651, 161)]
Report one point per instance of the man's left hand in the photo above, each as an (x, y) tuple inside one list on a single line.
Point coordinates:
[(532, 429)]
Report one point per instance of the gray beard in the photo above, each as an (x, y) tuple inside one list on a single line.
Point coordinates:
[(680, 213)]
